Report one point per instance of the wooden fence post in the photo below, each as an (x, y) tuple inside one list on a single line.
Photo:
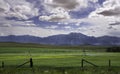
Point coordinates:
[(63, 71), (109, 63), (31, 62), (82, 63), (2, 64)]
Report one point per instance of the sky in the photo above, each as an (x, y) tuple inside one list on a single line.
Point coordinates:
[(44, 18)]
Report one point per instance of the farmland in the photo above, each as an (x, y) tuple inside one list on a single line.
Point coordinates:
[(48, 57)]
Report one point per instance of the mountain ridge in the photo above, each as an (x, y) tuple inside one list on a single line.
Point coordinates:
[(64, 39)]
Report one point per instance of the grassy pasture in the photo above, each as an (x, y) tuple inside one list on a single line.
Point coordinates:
[(14, 54)]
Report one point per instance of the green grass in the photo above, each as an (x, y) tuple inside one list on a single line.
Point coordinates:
[(50, 70), (61, 59), (15, 54)]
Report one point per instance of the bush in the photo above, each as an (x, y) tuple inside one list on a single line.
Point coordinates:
[(113, 49)]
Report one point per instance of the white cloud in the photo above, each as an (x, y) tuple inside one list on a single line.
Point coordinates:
[(34, 31), (77, 24), (109, 8), (94, 1), (12, 23), (68, 27), (21, 10), (104, 16), (52, 27), (109, 14), (54, 17), (100, 26), (59, 9), (3, 6), (1, 34), (57, 14)]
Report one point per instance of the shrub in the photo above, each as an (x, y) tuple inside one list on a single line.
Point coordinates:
[(113, 49)]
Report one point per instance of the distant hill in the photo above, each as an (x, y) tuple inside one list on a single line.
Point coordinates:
[(63, 39)]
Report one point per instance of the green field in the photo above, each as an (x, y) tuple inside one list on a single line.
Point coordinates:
[(48, 56)]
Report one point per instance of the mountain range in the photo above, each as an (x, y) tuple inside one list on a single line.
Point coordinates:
[(63, 39)]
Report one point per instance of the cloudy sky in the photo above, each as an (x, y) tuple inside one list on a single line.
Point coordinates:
[(50, 17)]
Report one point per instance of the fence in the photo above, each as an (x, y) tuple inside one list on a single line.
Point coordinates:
[(31, 63), (62, 70), (83, 60)]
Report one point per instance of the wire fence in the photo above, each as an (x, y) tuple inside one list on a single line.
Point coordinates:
[(53, 70), (30, 63)]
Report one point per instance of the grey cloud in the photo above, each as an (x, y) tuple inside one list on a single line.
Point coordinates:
[(56, 19), (111, 12), (67, 4), (2, 10), (116, 23), (110, 27), (62, 1), (5, 25)]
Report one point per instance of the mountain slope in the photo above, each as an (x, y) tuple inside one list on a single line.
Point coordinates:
[(64, 39)]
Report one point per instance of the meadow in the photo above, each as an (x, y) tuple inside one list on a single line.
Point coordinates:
[(48, 59)]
